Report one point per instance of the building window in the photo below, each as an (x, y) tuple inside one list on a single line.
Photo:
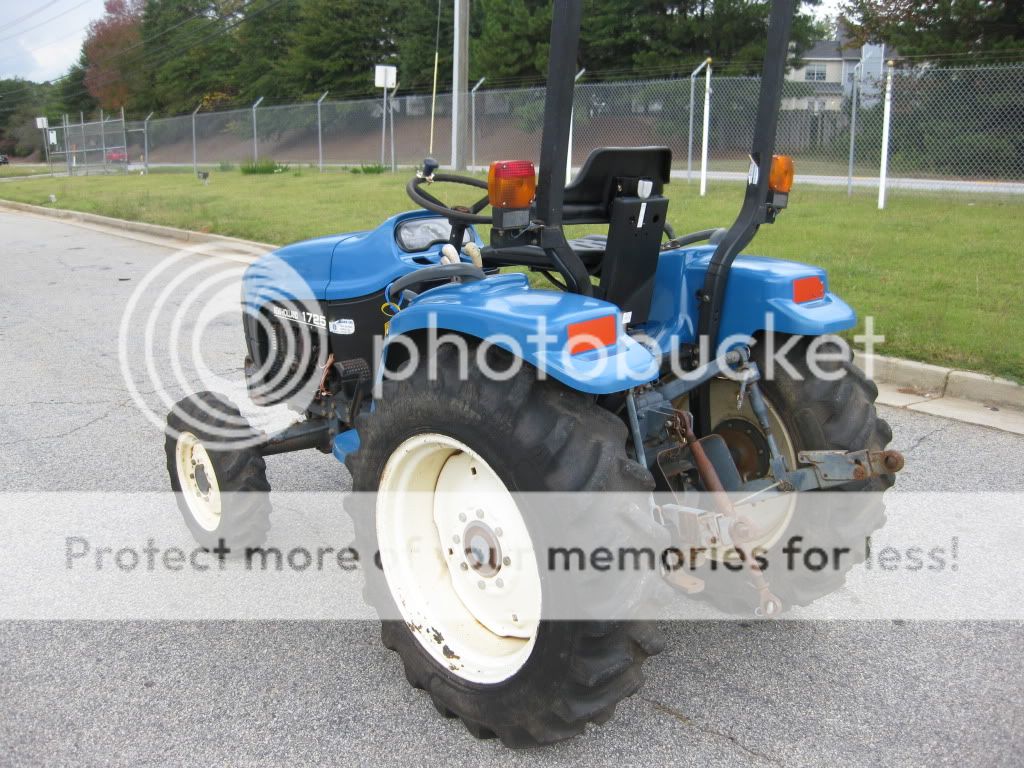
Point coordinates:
[(815, 73)]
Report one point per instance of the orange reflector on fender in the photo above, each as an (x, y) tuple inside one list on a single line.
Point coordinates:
[(808, 289), (592, 334)]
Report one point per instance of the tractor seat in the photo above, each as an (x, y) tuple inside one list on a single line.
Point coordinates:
[(590, 248)]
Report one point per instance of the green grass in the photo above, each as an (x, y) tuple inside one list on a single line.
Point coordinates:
[(942, 274), (259, 168), (18, 169)]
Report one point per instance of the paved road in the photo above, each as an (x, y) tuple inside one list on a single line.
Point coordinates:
[(724, 693)]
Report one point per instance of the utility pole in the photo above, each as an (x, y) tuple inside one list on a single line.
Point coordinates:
[(460, 85)]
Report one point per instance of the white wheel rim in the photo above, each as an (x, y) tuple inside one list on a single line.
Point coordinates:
[(198, 481), (771, 518), (475, 612)]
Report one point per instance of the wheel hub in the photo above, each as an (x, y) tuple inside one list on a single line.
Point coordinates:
[(748, 447), (482, 549)]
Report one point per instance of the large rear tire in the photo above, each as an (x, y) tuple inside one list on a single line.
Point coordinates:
[(814, 414), (532, 435)]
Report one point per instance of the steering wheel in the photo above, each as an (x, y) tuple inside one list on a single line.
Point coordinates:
[(457, 214)]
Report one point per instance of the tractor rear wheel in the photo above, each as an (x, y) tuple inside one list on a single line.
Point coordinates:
[(489, 658), (807, 413)]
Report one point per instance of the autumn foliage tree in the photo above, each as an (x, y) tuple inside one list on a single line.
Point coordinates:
[(111, 73)]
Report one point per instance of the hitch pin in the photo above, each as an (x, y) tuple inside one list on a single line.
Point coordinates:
[(741, 395)]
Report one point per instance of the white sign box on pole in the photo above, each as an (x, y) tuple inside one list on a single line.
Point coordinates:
[(385, 76), (42, 123)]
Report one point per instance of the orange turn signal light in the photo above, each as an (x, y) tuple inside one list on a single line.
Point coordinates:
[(511, 183), (781, 177), (808, 289)]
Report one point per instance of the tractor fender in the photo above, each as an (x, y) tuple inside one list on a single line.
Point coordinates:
[(531, 324), (759, 297)]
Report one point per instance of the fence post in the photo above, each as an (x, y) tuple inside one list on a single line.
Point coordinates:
[(689, 143), (704, 138), (103, 141), (391, 125), (572, 119), (195, 161), (255, 136), (85, 152), (857, 72), (145, 142), (67, 143), (472, 119), (124, 140), (320, 133), (886, 124), (46, 146), (383, 123)]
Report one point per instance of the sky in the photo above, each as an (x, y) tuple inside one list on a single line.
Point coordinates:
[(41, 39)]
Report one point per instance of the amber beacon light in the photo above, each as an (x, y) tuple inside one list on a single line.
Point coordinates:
[(511, 183), (781, 177)]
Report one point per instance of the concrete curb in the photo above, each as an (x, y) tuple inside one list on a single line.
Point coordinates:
[(961, 395), (933, 382), (153, 230), (965, 395)]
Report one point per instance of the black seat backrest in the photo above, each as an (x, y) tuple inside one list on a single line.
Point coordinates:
[(588, 198)]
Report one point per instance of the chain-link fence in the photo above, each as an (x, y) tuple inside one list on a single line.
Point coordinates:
[(957, 129), (84, 147)]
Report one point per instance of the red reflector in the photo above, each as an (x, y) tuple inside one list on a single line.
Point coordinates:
[(808, 289), (592, 334)]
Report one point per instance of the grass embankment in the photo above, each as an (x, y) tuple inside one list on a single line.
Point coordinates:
[(21, 169), (943, 275)]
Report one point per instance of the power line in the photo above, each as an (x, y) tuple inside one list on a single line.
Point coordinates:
[(29, 15), (157, 61), (47, 21)]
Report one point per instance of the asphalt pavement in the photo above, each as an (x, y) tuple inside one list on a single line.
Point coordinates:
[(242, 693)]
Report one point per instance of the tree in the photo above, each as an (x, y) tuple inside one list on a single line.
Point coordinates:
[(925, 28), (110, 75), (188, 52), (512, 42), (335, 45), (262, 46), (70, 94)]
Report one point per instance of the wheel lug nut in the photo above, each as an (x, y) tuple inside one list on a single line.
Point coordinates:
[(480, 514), (463, 566), (455, 539), (506, 561), (462, 517), (499, 583), (498, 531), (481, 584)]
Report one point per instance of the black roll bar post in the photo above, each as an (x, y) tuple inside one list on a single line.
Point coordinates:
[(566, 16), (755, 210)]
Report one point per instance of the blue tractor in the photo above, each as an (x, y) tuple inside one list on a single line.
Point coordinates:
[(664, 366)]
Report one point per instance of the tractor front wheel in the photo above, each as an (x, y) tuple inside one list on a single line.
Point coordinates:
[(218, 477)]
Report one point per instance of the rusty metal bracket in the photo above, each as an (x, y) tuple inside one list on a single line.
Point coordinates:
[(829, 469)]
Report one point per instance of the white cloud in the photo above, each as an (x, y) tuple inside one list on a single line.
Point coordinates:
[(48, 50)]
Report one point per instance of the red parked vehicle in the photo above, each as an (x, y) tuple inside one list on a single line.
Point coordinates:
[(117, 156)]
